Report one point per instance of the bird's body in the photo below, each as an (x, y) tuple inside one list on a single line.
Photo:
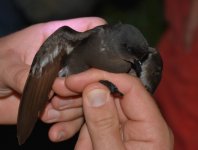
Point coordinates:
[(119, 48)]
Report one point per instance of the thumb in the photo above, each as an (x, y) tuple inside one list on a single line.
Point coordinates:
[(13, 72), (101, 118), (15, 77)]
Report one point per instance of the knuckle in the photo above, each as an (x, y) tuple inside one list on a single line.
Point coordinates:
[(105, 123)]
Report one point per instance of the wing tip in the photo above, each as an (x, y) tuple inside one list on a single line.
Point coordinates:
[(21, 139), (24, 130)]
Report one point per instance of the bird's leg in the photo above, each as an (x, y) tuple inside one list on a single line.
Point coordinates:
[(113, 89)]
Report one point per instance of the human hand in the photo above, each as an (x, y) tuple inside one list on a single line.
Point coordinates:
[(132, 122), (16, 55)]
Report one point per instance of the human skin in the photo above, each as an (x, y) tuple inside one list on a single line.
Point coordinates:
[(133, 121)]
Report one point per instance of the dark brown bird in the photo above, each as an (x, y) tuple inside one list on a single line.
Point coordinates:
[(119, 48)]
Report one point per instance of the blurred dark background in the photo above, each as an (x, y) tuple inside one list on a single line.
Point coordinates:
[(147, 15)]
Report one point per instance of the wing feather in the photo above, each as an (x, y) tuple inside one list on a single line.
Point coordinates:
[(44, 69), (34, 98)]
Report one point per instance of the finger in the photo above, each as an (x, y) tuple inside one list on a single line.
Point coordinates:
[(14, 73), (17, 77), (60, 88), (64, 130), (101, 118), (61, 103), (84, 140), (96, 75), (145, 120), (51, 115), (9, 110), (135, 95)]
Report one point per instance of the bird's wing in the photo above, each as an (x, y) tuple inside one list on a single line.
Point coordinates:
[(44, 69)]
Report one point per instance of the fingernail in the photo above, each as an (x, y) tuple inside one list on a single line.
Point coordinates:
[(53, 115), (60, 136), (97, 97)]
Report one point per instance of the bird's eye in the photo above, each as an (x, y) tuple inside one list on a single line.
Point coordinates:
[(126, 47), (129, 49)]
